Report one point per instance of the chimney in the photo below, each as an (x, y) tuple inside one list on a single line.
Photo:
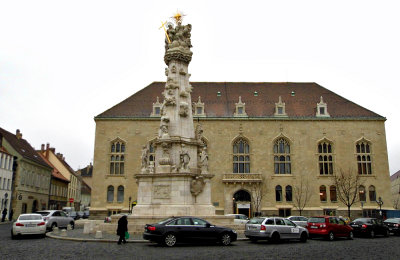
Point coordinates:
[(47, 150), (42, 148), (18, 134)]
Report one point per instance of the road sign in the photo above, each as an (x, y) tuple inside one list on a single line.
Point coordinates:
[(71, 200)]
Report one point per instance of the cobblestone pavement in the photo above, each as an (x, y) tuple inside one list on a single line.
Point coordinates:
[(48, 248)]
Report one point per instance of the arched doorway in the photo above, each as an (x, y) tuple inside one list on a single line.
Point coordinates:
[(34, 206), (242, 203)]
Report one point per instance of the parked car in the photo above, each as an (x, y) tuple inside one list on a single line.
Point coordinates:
[(393, 224), (274, 229), (73, 214), (86, 214), (80, 214), (369, 227), (239, 218), (299, 220), (184, 229), (329, 227), (56, 218), (28, 224)]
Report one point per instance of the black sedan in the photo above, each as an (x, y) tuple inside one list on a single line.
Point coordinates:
[(184, 229), (369, 227), (394, 225)]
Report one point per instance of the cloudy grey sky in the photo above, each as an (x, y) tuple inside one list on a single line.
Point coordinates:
[(64, 62)]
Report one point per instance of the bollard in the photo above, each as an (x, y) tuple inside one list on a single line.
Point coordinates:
[(86, 228), (56, 231), (63, 233), (99, 234)]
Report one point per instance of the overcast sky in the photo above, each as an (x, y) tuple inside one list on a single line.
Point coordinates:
[(64, 62)]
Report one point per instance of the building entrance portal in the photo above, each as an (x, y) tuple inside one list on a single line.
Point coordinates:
[(242, 203)]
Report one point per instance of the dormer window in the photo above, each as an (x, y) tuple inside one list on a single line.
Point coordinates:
[(156, 109), (240, 108), (199, 109), (280, 110), (322, 109)]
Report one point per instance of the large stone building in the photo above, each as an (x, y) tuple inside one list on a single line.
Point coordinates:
[(395, 180), (32, 175), (269, 135)]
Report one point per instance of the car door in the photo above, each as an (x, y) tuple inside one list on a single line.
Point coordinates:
[(334, 227), (282, 228), (204, 230), (64, 219), (56, 217), (183, 227), (294, 229)]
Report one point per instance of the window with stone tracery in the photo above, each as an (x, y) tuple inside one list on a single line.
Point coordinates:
[(282, 161), (363, 150), (241, 156), (117, 158), (325, 158), (152, 153)]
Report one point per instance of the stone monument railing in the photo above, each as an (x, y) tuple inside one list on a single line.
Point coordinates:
[(242, 177)]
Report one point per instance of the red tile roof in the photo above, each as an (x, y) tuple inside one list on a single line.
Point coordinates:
[(23, 147), (55, 173), (395, 176), (302, 105)]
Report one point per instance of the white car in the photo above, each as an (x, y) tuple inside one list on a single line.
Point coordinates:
[(29, 224), (239, 218)]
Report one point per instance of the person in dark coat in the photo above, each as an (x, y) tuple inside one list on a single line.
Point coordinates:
[(4, 214), (122, 228), (10, 215)]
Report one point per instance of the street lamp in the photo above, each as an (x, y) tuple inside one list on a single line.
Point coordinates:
[(130, 198), (380, 203)]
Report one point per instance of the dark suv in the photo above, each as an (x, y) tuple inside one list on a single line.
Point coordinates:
[(369, 227)]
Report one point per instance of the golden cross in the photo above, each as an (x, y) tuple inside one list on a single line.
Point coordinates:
[(165, 30)]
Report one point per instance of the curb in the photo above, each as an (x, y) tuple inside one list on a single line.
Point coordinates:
[(50, 235)]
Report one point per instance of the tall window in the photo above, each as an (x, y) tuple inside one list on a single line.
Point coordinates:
[(361, 193), (325, 158), (363, 150), (282, 156), (322, 193), (117, 158), (332, 193), (110, 193), (278, 193), (120, 193), (372, 193), (241, 156), (288, 193)]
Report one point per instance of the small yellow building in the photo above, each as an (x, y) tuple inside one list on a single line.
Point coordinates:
[(266, 136)]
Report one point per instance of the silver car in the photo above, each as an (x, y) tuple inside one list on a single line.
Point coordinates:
[(299, 220), (56, 218), (274, 229), (239, 218)]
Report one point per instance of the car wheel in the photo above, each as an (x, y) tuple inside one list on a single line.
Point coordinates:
[(275, 237), (72, 224), (13, 237), (53, 226), (225, 239), (303, 237), (331, 236), (170, 240), (351, 235), (372, 234)]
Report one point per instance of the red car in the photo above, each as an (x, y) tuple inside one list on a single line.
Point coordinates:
[(328, 227)]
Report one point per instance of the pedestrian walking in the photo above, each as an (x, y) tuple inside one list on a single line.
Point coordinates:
[(10, 215), (122, 228), (4, 214)]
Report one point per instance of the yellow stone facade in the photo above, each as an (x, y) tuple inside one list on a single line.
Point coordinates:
[(220, 134)]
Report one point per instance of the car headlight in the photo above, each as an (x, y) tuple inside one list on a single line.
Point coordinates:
[(233, 231)]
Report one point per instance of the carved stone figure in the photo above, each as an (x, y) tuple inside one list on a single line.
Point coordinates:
[(170, 101), (145, 153), (199, 133), (183, 109), (204, 160), (197, 185), (164, 131), (184, 159)]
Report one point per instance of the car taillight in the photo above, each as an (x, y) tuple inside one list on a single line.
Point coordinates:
[(263, 227), (41, 224), (323, 225), (396, 225), (151, 228), (19, 224), (364, 226)]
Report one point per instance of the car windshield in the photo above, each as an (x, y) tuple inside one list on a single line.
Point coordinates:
[(164, 221), (43, 213), (363, 220), (316, 220), (30, 217), (256, 221), (392, 220)]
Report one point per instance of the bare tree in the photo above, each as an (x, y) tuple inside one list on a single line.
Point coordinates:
[(257, 193), (347, 187), (301, 194), (396, 201)]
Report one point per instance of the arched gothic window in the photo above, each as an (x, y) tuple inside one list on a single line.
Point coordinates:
[(361, 193), (110, 193), (322, 193), (117, 158), (282, 157), (332, 193), (325, 158), (288, 193), (372, 193), (363, 150), (120, 193), (278, 193), (241, 156), (152, 153)]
